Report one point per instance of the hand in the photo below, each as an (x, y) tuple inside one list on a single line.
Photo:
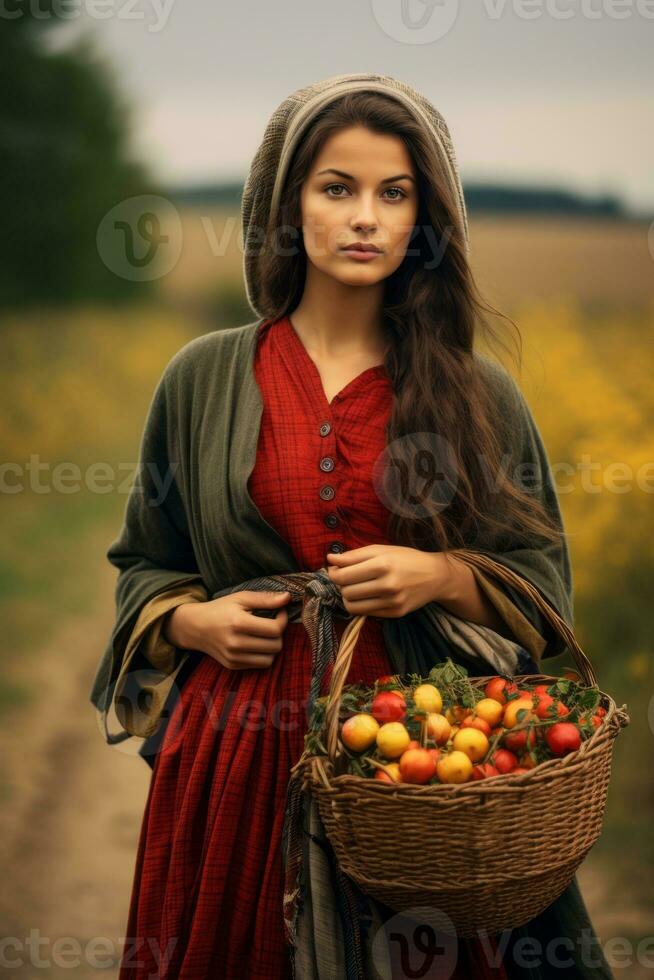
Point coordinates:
[(226, 630), (389, 580)]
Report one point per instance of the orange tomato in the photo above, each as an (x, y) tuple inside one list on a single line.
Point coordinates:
[(438, 727), (417, 766), (473, 722)]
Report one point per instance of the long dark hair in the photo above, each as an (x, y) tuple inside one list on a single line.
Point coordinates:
[(430, 315)]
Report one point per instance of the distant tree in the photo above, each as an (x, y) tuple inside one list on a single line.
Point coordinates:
[(65, 162)]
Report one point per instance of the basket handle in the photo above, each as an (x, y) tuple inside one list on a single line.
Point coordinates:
[(351, 634)]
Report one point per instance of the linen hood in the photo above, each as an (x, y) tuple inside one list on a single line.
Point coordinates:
[(290, 120)]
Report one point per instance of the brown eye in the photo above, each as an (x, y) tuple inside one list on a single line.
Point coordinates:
[(331, 186), (401, 193)]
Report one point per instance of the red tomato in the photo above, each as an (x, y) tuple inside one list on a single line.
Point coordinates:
[(386, 679), (562, 738), (484, 770), (388, 706), (519, 770), (541, 689), (547, 705), (504, 761), (417, 766), (498, 687), (517, 741), (435, 754)]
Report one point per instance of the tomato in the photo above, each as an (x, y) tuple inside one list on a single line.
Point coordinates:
[(417, 766), (484, 770), (498, 687), (392, 739), (386, 679), (562, 738), (359, 732), (472, 722), (490, 710), (388, 706), (504, 761), (520, 769), (517, 741), (391, 775), (454, 768), (513, 707), (546, 707), (472, 742), (427, 699), (527, 761), (438, 727)]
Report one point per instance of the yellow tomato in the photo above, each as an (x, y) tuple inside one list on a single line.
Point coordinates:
[(438, 727), (428, 699), (471, 741), (454, 768), (513, 707), (490, 710), (359, 732), (392, 739)]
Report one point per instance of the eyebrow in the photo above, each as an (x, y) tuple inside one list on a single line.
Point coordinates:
[(341, 173)]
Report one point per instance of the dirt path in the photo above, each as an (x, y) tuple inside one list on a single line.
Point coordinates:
[(70, 825)]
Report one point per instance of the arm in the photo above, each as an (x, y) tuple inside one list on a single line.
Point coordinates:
[(153, 551)]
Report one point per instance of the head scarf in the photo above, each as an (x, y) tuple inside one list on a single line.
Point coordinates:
[(290, 120)]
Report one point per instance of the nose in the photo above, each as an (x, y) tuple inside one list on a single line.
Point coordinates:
[(364, 216)]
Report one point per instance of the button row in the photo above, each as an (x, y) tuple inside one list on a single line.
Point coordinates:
[(327, 492)]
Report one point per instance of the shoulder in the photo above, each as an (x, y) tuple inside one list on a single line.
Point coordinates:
[(214, 354), (503, 387)]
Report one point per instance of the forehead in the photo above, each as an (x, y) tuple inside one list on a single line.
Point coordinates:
[(362, 152)]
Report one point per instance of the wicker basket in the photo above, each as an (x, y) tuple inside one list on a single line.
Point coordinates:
[(493, 853)]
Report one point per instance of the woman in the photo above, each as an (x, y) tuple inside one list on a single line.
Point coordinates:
[(352, 429)]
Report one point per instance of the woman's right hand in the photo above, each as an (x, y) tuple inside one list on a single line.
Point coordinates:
[(226, 629)]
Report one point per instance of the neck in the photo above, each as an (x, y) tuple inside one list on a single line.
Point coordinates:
[(337, 320)]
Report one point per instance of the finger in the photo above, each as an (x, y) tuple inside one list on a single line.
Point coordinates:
[(252, 644), (251, 625), (250, 599), (366, 571), (354, 555)]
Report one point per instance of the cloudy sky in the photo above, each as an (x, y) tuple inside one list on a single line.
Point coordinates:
[(554, 91)]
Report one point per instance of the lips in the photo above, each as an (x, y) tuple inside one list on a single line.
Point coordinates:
[(360, 247)]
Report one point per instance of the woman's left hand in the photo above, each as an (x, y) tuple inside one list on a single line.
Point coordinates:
[(390, 580)]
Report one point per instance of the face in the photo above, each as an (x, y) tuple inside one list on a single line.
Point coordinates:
[(361, 190)]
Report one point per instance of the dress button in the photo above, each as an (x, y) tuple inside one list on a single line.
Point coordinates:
[(337, 547), (327, 492), (325, 429), (331, 519), (327, 464)]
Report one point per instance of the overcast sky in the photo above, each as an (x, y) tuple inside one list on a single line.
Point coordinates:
[(554, 91)]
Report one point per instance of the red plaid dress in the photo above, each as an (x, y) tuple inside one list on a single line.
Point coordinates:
[(207, 894)]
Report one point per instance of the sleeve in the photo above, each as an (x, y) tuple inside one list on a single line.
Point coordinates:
[(153, 551), (526, 634), (546, 565), (151, 663)]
